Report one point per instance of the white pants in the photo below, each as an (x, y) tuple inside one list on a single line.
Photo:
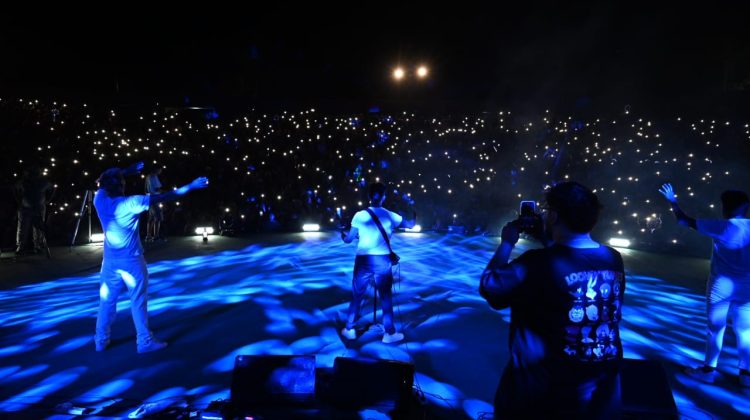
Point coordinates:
[(117, 275), (727, 297)]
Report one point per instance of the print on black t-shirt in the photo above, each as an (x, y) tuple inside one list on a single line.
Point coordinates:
[(591, 331)]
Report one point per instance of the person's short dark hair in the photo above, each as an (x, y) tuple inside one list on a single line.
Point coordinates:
[(576, 206), (731, 200), (377, 190), (110, 180)]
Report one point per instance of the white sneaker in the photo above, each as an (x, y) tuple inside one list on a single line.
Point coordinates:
[(392, 338), (349, 334), (101, 345), (152, 345), (700, 373)]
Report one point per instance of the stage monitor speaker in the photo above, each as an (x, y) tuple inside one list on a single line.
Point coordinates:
[(261, 381), (371, 382), (646, 393)]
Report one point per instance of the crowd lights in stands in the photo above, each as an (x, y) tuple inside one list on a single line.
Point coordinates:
[(310, 227), (619, 242), (631, 147)]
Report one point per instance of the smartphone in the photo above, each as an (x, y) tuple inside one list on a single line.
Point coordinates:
[(527, 208)]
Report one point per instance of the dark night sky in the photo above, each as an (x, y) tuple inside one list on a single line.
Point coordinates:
[(533, 55)]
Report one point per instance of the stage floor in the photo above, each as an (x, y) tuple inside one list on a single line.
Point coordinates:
[(287, 294)]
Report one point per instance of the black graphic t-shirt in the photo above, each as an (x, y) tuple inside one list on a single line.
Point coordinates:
[(566, 305), (571, 300)]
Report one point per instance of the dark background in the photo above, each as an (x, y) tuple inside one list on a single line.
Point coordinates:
[(598, 56)]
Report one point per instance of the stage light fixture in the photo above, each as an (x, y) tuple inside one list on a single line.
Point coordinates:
[(204, 231), (310, 227), (619, 242)]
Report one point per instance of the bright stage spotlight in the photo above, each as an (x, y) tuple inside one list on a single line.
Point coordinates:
[(398, 73), (619, 242), (415, 229), (204, 231), (422, 72), (97, 237), (310, 227)]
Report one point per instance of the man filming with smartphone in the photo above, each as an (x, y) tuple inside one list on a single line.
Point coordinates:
[(566, 305)]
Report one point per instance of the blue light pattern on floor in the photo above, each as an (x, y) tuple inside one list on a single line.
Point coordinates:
[(291, 298)]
